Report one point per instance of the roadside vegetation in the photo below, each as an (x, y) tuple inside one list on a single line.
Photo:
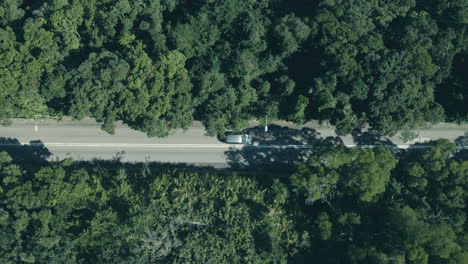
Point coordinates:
[(340, 206), (159, 64)]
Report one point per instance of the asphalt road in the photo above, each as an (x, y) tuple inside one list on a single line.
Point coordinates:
[(284, 143)]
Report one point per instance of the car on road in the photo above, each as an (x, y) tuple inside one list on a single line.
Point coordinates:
[(238, 139)]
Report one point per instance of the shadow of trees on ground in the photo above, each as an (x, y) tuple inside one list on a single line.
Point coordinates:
[(275, 152), (462, 141), (279, 135), (34, 152), (370, 138)]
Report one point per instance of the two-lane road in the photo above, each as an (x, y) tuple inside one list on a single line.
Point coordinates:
[(84, 140), (87, 141)]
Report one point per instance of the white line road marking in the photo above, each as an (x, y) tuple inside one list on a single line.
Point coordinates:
[(128, 145), (227, 146)]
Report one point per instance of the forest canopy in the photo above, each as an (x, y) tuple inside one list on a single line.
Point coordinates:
[(340, 206), (157, 65)]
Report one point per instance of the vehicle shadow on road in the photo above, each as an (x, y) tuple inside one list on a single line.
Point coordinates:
[(35, 151), (276, 151)]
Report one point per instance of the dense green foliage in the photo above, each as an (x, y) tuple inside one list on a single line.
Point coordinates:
[(66, 214), (453, 92), (369, 213), (341, 206), (158, 64)]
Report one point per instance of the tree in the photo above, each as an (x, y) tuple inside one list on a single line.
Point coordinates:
[(432, 176), (10, 11), (142, 94), (338, 171), (390, 65)]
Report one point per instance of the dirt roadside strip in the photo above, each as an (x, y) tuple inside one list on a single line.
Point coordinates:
[(312, 124)]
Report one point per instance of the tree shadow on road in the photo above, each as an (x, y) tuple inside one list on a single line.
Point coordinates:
[(34, 152), (34, 155), (279, 135), (275, 152), (462, 141), (366, 138)]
